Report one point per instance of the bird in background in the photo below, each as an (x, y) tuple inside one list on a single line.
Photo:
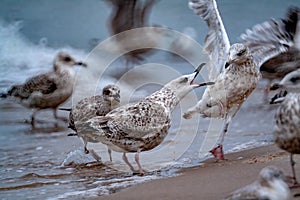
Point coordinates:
[(90, 107), (234, 69), (289, 60), (140, 126), (270, 185), (48, 90), (127, 15), (287, 129)]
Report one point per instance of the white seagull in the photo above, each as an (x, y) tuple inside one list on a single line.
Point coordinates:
[(47, 90), (143, 125), (269, 186), (287, 130), (234, 69)]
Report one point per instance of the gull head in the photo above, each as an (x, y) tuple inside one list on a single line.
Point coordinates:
[(271, 173), (238, 53), (111, 93), (63, 60), (184, 84), (291, 82)]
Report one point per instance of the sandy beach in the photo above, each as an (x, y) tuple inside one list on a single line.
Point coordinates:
[(212, 180)]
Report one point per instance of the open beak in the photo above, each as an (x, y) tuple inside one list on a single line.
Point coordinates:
[(197, 72), (81, 64)]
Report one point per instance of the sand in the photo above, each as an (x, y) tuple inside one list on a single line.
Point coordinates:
[(212, 180)]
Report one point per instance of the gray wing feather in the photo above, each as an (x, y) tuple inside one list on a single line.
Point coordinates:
[(272, 37), (216, 42)]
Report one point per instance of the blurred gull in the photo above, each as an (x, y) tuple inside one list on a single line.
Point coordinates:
[(127, 15), (233, 68), (47, 90), (267, 34), (287, 131), (269, 186), (143, 125)]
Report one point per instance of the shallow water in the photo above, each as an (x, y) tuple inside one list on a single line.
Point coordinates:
[(44, 163)]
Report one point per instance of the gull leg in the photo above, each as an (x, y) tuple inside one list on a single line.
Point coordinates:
[(109, 153), (86, 151), (295, 182), (33, 119), (57, 117), (137, 160), (218, 150), (124, 157)]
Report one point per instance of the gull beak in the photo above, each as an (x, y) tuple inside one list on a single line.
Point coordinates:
[(197, 72), (81, 64), (206, 84), (227, 64), (275, 86)]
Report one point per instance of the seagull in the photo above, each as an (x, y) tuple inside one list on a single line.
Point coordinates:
[(94, 106), (233, 69), (270, 185), (287, 130), (261, 34), (127, 15), (47, 90), (140, 126)]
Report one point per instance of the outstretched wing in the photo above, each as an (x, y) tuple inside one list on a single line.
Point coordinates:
[(272, 37), (216, 42)]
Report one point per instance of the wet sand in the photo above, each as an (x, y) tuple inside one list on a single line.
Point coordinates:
[(212, 180)]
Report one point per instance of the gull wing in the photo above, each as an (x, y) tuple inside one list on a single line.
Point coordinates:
[(273, 37), (216, 42), (139, 120), (42, 83)]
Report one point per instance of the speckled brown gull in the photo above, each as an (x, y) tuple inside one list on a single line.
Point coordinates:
[(49, 90), (287, 130), (140, 126), (270, 185), (94, 106), (284, 35)]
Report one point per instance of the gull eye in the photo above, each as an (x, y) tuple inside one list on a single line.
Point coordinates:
[(184, 80), (295, 79), (67, 59), (241, 52), (106, 92)]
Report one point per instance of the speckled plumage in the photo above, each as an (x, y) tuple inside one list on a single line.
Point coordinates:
[(94, 106), (287, 131), (48, 90), (233, 69), (269, 186), (140, 126)]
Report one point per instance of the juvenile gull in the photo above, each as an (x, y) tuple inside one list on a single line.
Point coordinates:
[(143, 125), (94, 106), (288, 34), (47, 90), (233, 69), (270, 186), (287, 130)]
